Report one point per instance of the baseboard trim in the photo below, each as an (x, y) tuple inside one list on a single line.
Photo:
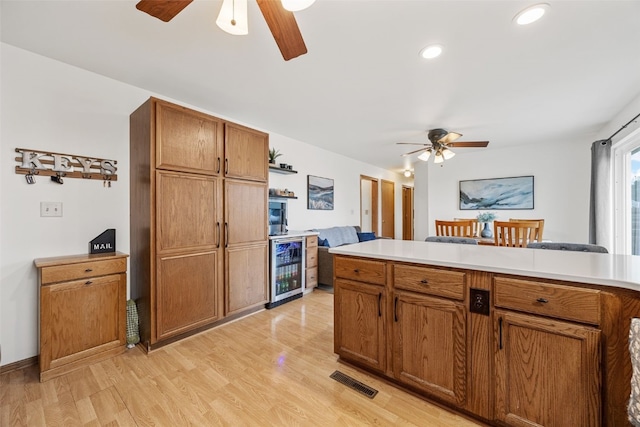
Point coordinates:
[(20, 364)]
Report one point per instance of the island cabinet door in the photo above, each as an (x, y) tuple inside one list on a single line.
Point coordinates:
[(547, 372), (359, 323), (429, 345)]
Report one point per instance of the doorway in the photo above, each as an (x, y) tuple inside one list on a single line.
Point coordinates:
[(368, 204), (388, 209), (407, 213)]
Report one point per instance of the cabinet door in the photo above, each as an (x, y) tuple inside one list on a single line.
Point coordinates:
[(359, 323), (188, 212), (80, 315), (245, 212), (188, 292), (247, 277), (547, 372), (187, 140), (430, 345), (246, 153)]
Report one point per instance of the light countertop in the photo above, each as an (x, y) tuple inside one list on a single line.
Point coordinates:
[(622, 271), (294, 233)]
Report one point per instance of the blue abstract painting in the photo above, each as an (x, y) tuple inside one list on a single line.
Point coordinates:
[(497, 193), (320, 193)]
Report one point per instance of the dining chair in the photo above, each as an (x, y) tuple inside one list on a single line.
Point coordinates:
[(517, 234), (476, 225), (560, 246), (454, 228), (452, 239), (541, 221)]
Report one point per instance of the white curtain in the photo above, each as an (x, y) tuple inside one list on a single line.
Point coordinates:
[(601, 203)]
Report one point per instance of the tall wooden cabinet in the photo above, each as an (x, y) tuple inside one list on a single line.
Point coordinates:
[(198, 219)]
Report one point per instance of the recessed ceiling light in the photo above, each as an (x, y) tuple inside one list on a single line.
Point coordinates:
[(431, 51), (531, 14)]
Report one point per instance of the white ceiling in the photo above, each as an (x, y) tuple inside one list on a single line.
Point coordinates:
[(363, 87)]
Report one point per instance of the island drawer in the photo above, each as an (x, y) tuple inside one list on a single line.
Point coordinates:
[(548, 299), (360, 270), (82, 270), (433, 281)]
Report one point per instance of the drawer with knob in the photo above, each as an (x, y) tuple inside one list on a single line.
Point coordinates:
[(548, 299), (360, 269), (98, 267), (432, 281)]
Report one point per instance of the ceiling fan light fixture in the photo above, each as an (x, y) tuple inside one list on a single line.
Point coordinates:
[(447, 154), (531, 14), (431, 51), (296, 5), (425, 156), (438, 158), (233, 17)]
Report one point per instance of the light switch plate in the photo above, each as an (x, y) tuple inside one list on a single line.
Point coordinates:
[(50, 209)]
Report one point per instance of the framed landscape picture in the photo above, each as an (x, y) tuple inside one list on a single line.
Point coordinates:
[(497, 193), (319, 193)]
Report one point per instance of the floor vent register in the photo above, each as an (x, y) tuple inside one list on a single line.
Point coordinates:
[(354, 384)]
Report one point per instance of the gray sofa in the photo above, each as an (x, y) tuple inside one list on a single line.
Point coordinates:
[(334, 236)]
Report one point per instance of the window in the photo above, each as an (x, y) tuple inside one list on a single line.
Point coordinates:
[(627, 195)]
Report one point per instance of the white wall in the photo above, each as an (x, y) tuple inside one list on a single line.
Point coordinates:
[(365, 205), (50, 106), (561, 173), (311, 160)]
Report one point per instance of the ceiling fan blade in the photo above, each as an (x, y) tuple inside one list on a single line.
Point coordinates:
[(284, 28), (413, 152), (450, 137), (469, 144), (412, 143), (165, 10)]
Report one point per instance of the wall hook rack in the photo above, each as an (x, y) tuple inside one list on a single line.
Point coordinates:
[(58, 165)]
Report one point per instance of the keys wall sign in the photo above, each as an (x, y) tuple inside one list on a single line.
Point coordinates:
[(58, 165)]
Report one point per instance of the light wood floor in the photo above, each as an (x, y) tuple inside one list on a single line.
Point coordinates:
[(269, 369)]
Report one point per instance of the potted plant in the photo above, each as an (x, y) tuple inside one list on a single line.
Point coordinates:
[(486, 217), (273, 155)]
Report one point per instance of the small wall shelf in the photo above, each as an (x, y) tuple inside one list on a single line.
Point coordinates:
[(282, 197), (278, 169)]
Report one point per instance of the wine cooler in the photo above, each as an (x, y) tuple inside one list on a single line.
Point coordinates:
[(287, 272)]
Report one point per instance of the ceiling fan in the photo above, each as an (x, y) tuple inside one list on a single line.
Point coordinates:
[(440, 142), (281, 22)]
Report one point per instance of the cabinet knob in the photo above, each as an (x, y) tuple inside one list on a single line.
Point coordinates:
[(88, 270), (425, 281), (356, 270), (88, 282), (542, 300)]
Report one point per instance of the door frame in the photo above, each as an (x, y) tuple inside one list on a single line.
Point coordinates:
[(407, 212)]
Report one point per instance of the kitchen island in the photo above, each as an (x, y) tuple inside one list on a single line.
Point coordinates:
[(511, 336)]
